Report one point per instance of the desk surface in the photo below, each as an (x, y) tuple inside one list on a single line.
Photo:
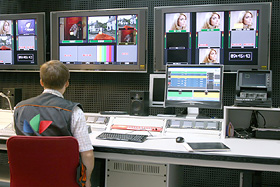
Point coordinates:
[(251, 154), (6, 117), (254, 154)]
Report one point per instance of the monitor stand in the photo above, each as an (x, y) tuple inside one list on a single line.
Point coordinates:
[(168, 112), (193, 112)]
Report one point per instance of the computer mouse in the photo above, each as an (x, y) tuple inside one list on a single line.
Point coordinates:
[(180, 139)]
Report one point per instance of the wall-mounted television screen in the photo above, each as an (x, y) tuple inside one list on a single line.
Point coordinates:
[(234, 35), (100, 40), (22, 41)]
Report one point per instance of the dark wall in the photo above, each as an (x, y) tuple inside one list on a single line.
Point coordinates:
[(110, 91)]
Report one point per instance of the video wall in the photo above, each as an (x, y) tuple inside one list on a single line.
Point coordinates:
[(232, 35), (113, 40), (101, 39), (19, 38)]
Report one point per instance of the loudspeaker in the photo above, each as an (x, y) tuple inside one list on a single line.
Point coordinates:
[(15, 96), (139, 103)]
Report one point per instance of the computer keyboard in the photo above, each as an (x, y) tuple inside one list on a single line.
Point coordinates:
[(113, 113), (122, 137)]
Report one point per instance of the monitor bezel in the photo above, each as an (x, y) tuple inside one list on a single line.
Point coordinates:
[(141, 66), (264, 38), (41, 41), (195, 104)]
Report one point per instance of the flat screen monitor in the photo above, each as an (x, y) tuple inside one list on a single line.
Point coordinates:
[(194, 87), (22, 41), (234, 35), (100, 40), (157, 89)]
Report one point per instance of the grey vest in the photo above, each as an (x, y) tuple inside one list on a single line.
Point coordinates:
[(32, 115)]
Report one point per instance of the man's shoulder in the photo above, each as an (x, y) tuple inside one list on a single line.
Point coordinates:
[(26, 101), (48, 99)]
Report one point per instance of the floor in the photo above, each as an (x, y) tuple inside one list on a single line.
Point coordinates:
[(4, 172), (4, 184)]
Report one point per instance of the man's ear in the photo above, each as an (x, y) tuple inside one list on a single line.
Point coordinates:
[(41, 82), (67, 84)]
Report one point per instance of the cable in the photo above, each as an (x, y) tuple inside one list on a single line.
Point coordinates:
[(253, 121), (264, 121), (242, 133), (11, 124), (3, 95)]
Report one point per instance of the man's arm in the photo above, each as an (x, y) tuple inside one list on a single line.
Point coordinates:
[(80, 132), (88, 161)]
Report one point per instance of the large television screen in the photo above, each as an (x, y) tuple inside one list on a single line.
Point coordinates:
[(22, 41), (100, 40), (196, 86), (234, 35)]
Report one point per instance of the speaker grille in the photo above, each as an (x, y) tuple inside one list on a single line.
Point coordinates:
[(139, 103), (136, 105)]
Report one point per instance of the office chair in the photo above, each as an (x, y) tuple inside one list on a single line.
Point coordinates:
[(43, 161)]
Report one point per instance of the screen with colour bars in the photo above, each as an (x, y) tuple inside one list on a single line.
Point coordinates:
[(112, 40)]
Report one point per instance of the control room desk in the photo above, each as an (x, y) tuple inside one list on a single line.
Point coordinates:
[(244, 155), (253, 155), (250, 154)]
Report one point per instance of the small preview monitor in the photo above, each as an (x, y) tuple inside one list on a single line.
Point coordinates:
[(254, 79), (111, 40), (234, 35), (253, 88), (194, 86), (22, 41)]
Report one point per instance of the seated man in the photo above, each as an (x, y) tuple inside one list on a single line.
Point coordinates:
[(49, 114)]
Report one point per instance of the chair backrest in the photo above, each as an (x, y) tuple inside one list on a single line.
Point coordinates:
[(43, 161)]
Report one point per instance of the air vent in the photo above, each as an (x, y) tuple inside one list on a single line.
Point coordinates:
[(139, 168)]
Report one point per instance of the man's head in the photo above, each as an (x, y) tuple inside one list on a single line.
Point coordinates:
[(54, 75)]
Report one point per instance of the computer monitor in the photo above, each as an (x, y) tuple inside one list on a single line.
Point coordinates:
[(157, 89), (112, 40), (22, 41), (234, 35), (194, 87)]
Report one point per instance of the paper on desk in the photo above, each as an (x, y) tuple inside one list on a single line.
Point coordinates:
[(187, 147)]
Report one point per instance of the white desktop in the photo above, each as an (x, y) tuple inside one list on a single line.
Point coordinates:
[(161, 151)]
